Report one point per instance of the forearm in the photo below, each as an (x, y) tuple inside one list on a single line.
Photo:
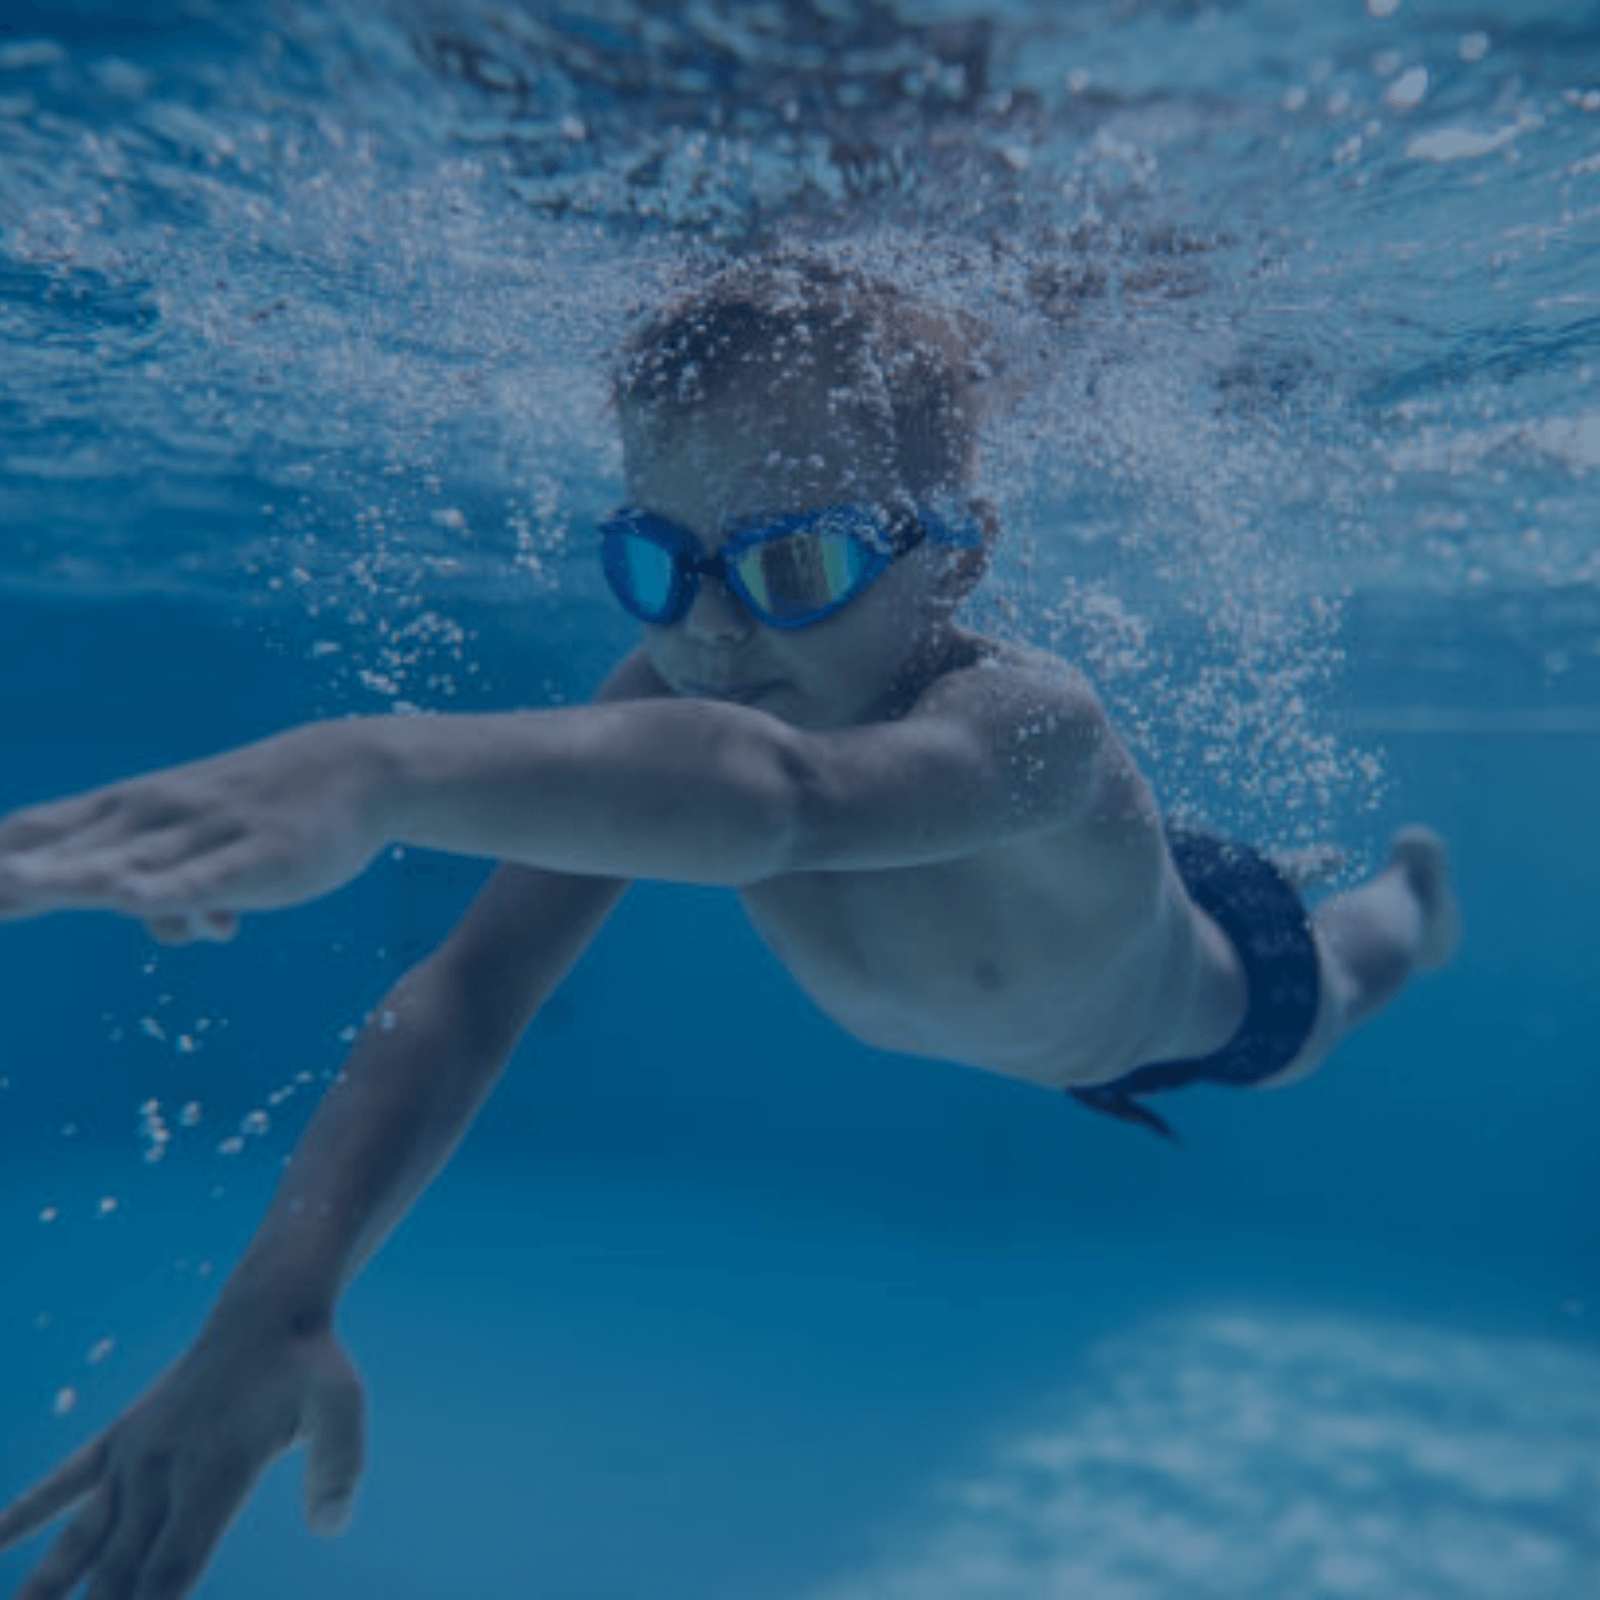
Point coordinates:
[(691, 791), (406, 1095)]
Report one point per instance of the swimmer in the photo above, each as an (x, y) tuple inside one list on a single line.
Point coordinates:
[(939, 834)]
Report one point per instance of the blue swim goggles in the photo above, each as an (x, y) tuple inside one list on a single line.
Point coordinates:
[(789, 572)]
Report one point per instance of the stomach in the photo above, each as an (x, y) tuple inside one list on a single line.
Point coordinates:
[(990, 962)]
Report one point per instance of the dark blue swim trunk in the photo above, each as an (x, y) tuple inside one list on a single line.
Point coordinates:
[(1263, 916)]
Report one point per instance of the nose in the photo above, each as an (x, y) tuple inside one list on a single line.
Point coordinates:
[(716, 617)]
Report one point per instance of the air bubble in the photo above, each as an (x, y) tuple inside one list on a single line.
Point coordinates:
[(1409, 90)]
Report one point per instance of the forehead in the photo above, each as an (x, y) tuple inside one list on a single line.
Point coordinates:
[(797, 439)]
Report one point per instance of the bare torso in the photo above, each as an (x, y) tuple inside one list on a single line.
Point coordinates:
[(1061, 959)]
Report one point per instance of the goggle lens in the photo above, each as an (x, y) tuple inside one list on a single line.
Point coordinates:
[(649, 571), (803, 575)]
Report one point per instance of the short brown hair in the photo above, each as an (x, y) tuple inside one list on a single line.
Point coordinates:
[(910, 368)]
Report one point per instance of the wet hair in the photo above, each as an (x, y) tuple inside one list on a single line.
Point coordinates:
[(905, 373)]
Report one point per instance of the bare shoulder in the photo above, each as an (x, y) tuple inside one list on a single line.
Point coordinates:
[(1017, 689), (1026, 730)]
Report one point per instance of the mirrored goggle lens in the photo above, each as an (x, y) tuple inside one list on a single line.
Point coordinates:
[(644, 572), (804, 573)]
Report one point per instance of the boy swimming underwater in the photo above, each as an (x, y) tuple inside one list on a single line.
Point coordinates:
[(940, 835)]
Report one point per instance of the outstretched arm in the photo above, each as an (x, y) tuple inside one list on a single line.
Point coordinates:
[(641, 786)]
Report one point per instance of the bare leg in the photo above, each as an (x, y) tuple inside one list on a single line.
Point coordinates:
[(1374, 938)]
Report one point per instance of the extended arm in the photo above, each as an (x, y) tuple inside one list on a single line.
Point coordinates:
[(706, 792), (646, 787), (416, 1076)]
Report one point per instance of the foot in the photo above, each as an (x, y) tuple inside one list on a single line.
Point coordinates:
[(1420, 855)]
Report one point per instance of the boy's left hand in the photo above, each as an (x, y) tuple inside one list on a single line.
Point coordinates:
[(188, 848)]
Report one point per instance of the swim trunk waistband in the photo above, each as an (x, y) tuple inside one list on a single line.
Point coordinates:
[(1266, 922)]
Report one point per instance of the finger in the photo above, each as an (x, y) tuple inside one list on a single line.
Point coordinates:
[(16, 899), (130, 841), (157, 846), (73, 1553), (229, 878), (70, 1482), (39, 825), (118, 817), (141, 1509), (20, 892), (203, 1505), (335, 1424), (40, 881), (152, 881)]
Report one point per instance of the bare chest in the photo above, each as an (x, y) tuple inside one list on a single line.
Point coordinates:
[(995, 961)]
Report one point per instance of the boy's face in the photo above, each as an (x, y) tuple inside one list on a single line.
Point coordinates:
[(781, 449)]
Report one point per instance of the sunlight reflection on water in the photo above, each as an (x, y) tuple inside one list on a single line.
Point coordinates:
[(1245, 1453)]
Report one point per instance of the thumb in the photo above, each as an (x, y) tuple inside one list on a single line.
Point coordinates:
[(334, 1424)]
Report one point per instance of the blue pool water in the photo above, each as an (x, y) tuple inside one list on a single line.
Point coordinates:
[(303, 311)]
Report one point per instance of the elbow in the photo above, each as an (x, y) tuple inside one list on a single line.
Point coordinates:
[(771, 837), (735, 811), (780, 795), (804, 805), (459, 1012)]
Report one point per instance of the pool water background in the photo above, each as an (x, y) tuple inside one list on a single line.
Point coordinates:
[(845, 1323)]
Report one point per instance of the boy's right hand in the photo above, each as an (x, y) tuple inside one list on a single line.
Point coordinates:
[(157, 1490), (188, 848)]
